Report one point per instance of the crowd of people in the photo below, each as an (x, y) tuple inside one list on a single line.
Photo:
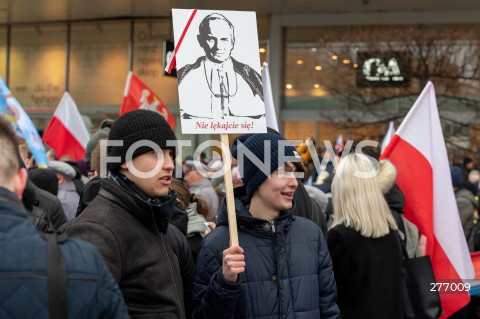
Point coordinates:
[(131, 243)]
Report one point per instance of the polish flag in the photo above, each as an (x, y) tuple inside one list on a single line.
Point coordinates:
[(66, 133), (419, 154), (139, 96)]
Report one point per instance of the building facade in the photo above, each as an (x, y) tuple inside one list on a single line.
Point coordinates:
[(346, 72)]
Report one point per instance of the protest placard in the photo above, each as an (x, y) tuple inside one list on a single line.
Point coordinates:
[(218, 71)]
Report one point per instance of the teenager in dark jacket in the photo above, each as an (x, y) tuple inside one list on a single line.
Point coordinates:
[(24, 285), (282, 268), (364, 244), (128, 220)]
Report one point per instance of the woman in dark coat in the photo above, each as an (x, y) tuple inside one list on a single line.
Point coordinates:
[(364, 244)]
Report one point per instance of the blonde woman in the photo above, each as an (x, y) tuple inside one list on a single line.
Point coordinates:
[(363, 243)]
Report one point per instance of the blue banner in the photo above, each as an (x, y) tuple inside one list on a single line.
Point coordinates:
[(24, 127)]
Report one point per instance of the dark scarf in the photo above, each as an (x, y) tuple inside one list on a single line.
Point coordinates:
[(161, 206)]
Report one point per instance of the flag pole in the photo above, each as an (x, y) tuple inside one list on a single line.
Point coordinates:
[(227, 166)]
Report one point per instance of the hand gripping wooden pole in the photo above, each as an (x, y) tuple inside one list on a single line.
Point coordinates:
[(227, 167)]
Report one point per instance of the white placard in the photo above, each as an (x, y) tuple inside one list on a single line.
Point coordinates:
[(218, 71)]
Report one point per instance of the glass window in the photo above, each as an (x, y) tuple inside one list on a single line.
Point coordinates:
[(37, 64), (99, 64), (149, 41), (354, 75), (263, 29), (397, 60), (3, 52)]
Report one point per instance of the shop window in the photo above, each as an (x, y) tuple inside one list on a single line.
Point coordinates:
[(3, 52), (37, 64), (99, 64)]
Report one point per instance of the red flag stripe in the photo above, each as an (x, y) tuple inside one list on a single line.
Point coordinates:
[(445, 272), (419, 167)]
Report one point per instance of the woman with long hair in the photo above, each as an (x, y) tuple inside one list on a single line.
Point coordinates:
[(363, 243), (197, 210)]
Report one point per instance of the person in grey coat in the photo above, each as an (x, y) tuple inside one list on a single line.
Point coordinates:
[(466, 204), (200, 185), (67, 193)]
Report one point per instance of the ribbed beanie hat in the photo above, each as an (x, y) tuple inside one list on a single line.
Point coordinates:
[(253, 175), (135, 126), (101, 134)]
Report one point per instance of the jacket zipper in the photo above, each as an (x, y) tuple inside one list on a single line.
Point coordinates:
[(171, 266), (272, 223)]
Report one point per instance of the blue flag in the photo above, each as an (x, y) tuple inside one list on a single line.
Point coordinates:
[(23, 126)]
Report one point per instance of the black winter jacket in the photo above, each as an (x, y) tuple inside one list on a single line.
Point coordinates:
[(44, 210), (368, 273), (133, 238), (288, 270)]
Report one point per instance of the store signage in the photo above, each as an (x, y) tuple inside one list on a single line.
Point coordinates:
[(382, 69)]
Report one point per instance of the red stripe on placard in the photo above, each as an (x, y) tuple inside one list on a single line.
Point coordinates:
[(173, 62)]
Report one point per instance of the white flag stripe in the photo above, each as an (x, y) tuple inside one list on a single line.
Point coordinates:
[(447, 218), (268, 99), (388, 136), (127, 85), (67, 113), (418, 117)]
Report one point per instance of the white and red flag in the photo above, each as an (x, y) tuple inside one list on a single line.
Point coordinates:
[(66, 133), (419, 154), (139, 96)]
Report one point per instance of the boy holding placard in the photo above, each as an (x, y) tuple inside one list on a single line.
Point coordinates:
[(283, 268)]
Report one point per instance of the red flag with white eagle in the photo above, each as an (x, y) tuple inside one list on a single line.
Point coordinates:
[(139, 96), (67, 133), (419, 154)]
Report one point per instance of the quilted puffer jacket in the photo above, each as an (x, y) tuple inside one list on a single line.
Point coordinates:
[(288, 270), (92, 292)]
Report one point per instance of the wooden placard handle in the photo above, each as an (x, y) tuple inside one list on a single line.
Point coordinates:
[(227, 166)]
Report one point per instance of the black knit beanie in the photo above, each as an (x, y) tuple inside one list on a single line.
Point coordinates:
[(135, 126), (253, 175)]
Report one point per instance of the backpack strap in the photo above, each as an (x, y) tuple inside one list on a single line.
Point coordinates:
[(57, 278)]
